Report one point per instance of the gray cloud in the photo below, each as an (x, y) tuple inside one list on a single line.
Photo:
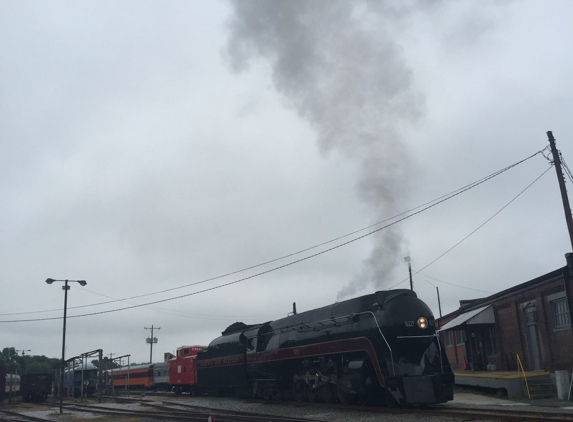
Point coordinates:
[(133, 158), (340, 69)]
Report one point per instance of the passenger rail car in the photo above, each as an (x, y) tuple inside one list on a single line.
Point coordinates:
[(183, 370), (36, 387), (161, 376), (136, 376), (380, 348)]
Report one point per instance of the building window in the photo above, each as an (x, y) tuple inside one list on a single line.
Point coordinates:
[(560, 312), (490, 342), (448, 339), (460, 337)]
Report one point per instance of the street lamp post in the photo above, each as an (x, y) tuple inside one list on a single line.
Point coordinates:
[(65, 288)]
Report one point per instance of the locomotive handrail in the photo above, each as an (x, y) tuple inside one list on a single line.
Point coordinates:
[(385, 341), (440, 348), (429, 335)]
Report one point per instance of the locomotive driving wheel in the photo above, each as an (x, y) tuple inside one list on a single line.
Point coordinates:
[(311, 393), (298, 389), (326, 393), (343, 397)]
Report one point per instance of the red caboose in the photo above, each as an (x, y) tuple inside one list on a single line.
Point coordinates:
[(183, 370)]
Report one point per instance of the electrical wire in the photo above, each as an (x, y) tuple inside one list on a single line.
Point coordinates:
[(566, 167), (479, 227), (451, 284), (432, 204)]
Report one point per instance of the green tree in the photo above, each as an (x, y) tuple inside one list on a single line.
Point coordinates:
[(7, 358), (8, 354), (106, 363), (23, 364), (39, 368)]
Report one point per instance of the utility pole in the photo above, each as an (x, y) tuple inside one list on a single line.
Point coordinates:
[(110, 360), (151, 340), (561, 180), (99, 375), (439, 303), (567, 210), (23, 359)]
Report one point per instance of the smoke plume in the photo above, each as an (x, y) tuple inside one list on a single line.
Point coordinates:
[(336, 63)]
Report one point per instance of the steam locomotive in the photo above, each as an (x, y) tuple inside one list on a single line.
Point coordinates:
[(380, 348)]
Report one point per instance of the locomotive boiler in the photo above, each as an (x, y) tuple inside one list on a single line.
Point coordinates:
[(381, 348)]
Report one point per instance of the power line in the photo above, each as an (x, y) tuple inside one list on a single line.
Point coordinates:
[(479, 227), (566, 167), (432, 204), (451, 284)]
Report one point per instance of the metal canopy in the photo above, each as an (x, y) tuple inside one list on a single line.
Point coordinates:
[(477, 316)]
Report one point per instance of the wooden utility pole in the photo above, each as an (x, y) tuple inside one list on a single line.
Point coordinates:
[(561, 180), (151, 340), (568, 219), (99, 375), (439, 303)]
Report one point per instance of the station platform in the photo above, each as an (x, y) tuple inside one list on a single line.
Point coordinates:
[(513, 382)]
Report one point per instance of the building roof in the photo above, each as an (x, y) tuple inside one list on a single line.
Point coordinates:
[(478, 303), (483, 315)]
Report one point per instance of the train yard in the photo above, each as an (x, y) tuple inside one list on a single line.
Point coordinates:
[(167, 407), (326, 364)]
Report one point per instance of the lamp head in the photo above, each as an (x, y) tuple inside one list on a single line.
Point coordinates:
[(82, 282), (407, 258), (50, 280)]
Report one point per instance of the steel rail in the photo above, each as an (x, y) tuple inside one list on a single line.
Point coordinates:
[(7, 415)]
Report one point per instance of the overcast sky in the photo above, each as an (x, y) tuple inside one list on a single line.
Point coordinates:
[(147, 146)]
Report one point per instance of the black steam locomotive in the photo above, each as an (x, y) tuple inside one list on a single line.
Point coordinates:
[(380, 348)]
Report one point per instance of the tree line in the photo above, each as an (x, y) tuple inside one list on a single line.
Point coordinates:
[(26, 364), (34, 364)]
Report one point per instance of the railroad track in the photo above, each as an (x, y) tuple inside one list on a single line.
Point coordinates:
[(176, 410), (530, 414), (499, 414), (8, 416), (185, 414)]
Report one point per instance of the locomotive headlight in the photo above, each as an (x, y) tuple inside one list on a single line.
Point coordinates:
[(422, 322)]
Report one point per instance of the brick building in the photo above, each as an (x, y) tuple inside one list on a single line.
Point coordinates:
[(530, 322)]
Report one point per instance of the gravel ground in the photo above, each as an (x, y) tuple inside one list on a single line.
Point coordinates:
[(302, 410)]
